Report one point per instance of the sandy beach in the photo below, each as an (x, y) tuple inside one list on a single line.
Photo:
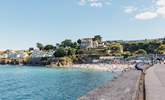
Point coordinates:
[(105, 67)]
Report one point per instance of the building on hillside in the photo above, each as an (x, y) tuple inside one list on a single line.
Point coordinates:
[(88, 43), (19, 54), (40, 54), (3, 56), (22, 55), (102, 45), (39, 57)]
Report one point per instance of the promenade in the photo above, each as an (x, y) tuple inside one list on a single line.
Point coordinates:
[(155, 82)]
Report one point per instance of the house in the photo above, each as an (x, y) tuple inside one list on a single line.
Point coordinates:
[(40, 54), (3, 56), (88, 43), (41, 57), (103, 44), (19, 54), (22, 55)]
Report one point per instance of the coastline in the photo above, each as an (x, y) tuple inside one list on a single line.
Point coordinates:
[(97, 67)]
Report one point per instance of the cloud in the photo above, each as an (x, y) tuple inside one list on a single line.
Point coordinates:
[(146, 15), (161, 11), (130, 9), (160, 2), (94, 3), (157, 9)]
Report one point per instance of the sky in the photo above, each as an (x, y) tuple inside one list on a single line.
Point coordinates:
[(23, 23)]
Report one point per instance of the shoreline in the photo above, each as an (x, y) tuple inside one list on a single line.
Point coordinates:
[(114, 68), (97, 67), (100, 67)]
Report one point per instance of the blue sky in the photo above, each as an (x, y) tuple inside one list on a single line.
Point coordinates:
[(25, 22)]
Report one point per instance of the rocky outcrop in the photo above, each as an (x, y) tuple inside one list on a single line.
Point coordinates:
[(62, 62)]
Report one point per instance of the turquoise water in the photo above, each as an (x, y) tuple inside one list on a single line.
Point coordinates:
[(38, 83)]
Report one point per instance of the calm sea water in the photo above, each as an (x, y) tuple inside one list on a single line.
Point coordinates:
[(38, 83)]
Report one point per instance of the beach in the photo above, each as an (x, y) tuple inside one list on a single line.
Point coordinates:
[(101, 67)]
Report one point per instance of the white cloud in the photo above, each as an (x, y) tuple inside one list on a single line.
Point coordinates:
[(94, 3), (156, 9), (160, 2), (146, 15), (130, 9), (161, 11)]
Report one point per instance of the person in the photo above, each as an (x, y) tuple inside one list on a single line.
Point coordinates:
[(138, 66)]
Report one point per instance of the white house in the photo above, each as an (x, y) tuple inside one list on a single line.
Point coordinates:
[(88, 43), (39, 54)]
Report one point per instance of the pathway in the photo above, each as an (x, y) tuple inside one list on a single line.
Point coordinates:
[(155, 82)]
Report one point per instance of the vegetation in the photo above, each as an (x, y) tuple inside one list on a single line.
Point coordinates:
[(116, 49), (97, 38), (149, 46), (79, 41), (161, 49), (40, 46), (49, 47), (60, 52), (68, 51), (127, 54), (140, 52)]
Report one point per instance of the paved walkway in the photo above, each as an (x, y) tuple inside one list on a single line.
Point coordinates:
[(155, 82)]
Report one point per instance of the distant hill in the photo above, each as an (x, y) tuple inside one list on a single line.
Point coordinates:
[(129, 41)]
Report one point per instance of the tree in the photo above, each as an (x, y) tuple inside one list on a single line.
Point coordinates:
[(161, 49), (164, 40), (40, 46), (60, 52), (71, 51), (97, 38), (79, 41), (67, 43), (132, 47), (49, 47), (152, 46), (31, 49), (140, 52), (116, 49), (75, 45), (126, 54)]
